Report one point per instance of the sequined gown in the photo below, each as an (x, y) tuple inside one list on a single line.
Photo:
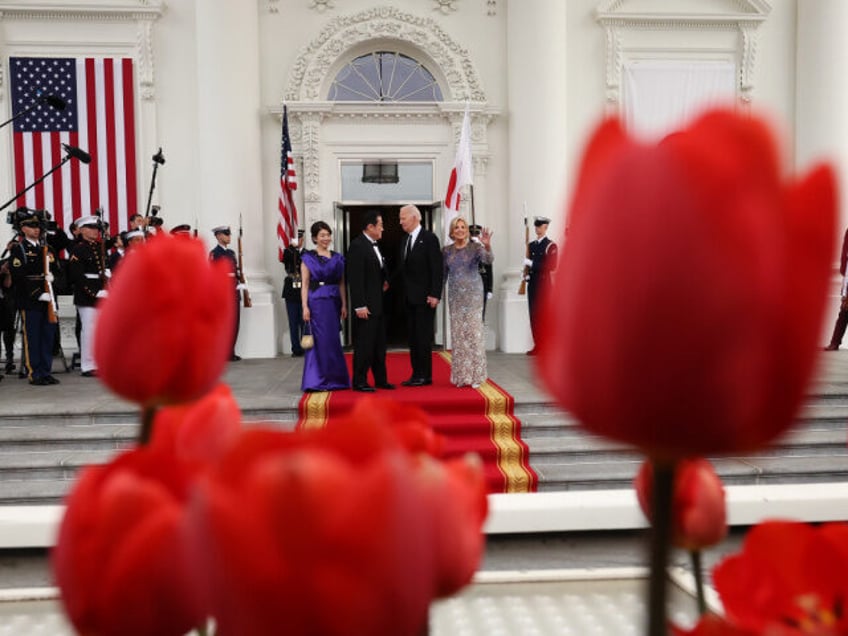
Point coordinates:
[(465, 301), (324, 367)]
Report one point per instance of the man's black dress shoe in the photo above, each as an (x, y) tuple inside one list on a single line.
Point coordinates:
[(40, 381), (364, 388), (89, 374), (235, 358), (416, 382), (386, 385), (51, 380)]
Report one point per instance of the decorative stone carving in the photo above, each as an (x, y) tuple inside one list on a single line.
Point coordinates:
[(321, 5), (741, 17), (445, 6), (313, 64), (491, 7)]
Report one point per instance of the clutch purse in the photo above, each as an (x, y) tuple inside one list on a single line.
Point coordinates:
[(306, 340)]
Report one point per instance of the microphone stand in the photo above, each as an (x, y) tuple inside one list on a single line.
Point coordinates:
[(157, 159), (37, 102), (36, 182)]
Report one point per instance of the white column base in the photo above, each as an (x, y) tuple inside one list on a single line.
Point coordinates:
[(257, 333), (514, 322)]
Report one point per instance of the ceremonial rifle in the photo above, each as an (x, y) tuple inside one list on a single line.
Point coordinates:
[(522, 287), (52, 315), (245, 294)]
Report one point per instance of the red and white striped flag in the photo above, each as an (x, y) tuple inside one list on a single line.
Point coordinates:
[(287, 223), (462, 173), (99, 117)]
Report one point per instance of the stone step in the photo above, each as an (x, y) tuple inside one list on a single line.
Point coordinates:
[(617, 474)]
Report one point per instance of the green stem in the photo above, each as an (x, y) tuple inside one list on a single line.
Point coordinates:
[(148, 413), (698, 571), (660, 547)]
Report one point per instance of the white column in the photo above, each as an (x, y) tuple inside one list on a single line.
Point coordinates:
[(537, 145), (821, 100), (229, 170), (821, 104)]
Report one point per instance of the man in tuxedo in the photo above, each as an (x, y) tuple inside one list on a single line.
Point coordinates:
[(422, 270), (366, 282)]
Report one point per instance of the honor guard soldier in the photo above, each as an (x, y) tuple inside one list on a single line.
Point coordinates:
[(89, 275), (542, 262), (33, 265), (291, 292), (223, 235)]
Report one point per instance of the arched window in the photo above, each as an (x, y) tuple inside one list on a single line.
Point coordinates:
[(385, 76)]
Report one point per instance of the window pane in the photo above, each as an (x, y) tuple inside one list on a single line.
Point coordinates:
[(415, 183), (384, 76)]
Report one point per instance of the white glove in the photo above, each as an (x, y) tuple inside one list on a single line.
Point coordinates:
[(475, 239), (102, 294), (49, 278), (45, 297), (528, 262), (241, 287), (489, 295), (107, 273)]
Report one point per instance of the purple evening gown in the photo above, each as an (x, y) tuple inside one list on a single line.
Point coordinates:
[(324, 366)]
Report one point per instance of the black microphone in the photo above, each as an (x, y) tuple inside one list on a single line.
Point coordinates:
[(77, 153), (54, 100), (159, 157)]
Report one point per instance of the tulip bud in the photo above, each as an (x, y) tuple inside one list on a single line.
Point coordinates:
[(699, 514)]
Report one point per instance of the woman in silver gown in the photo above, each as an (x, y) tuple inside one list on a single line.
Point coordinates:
[(465, 300)]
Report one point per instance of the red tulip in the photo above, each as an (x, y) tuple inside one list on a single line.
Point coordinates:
[(409, 424), (197, 433), (788, 580), (164, 333), (699, 512), (327, 532), (120, 558), (691, 289), (712, 625)]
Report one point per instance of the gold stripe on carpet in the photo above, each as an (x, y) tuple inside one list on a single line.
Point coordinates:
[(317, 410), (510, 452)]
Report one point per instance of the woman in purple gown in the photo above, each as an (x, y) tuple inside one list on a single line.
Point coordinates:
[(324, 306)]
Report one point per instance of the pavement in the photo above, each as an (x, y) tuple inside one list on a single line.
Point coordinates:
[(259, 385)]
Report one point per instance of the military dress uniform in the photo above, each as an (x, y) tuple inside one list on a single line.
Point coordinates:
[(485, 269), (542, 262), (221, 251), (26, 262), (88, 274), (291, 296)]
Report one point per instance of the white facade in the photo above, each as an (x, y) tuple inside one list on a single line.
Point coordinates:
[(212, 76)]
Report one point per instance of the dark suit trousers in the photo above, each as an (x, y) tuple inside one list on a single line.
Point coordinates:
[(839, 328), (419, 326), (369, 350)]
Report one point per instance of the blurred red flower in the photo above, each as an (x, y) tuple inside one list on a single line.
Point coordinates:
[(120, 558), (691, 290), (197, 433), (712, 625), (788, 580), (331, 531), (699, 511), (164, 333)]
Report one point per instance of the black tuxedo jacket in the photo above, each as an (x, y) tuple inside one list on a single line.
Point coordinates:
[(423, 269), (364, 276)]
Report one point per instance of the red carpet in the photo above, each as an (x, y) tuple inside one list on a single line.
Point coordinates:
[(471, 420)]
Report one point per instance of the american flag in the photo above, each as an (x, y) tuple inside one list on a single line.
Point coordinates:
[(287, 224), (99, 118)]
